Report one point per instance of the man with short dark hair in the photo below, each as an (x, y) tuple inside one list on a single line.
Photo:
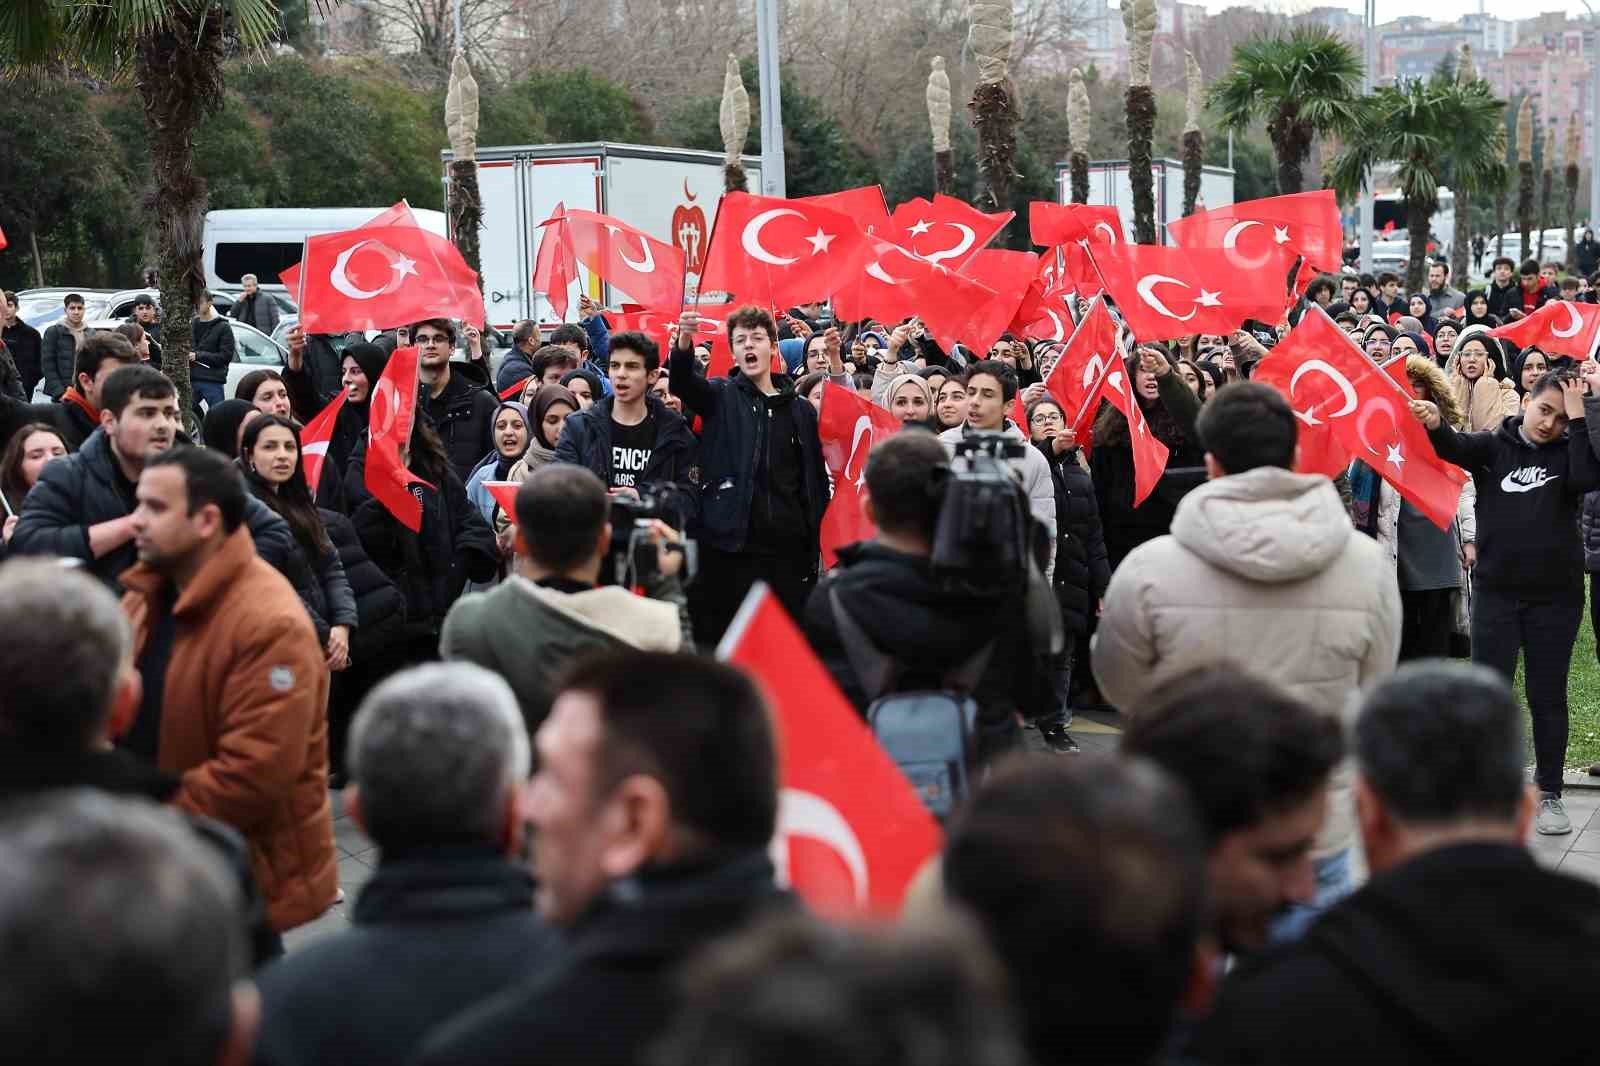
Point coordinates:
[(1440, 293), (886, 587), (119, 938), (1445, 954), (213, 350), (991, 387), (22, 341), (438, 760), (147, 317), (82, 506), (549, 610), (1533, 292), (255, 307), (517, 366), (1089, 879), (1262, 571), (1503, 292), (763, 482), (588, 339), (59, 347), (235, 681), (1389, 301), (630, 439), (654, 803), (456, 396), (78, 413), (1257, 764), (552, 362)]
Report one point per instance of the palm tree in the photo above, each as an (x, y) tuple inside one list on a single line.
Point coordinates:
[(1427, 128), (173, 51), (1306, 85)]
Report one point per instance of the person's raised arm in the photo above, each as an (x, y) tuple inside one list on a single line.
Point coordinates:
[(684, 379)]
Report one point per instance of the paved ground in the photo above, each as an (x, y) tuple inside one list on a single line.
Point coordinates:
[(1577, 853)]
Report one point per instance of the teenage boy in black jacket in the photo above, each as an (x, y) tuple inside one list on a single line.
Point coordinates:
[(1531, 474), (763, 483)]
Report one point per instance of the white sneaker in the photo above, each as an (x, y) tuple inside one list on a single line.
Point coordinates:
[(1552, 820)]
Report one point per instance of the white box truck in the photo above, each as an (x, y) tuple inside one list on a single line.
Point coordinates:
[(264, 241), (1109, 184), (670, 193)]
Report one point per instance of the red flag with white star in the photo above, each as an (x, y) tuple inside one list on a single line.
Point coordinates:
[(848, 425), (1165, 293), (1305, 222), (946, 230), (779, 253), (382, 276)]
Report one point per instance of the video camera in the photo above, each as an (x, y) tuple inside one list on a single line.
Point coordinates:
[(632, 561), (984, 532)]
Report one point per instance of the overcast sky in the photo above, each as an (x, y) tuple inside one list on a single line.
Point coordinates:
[(1446, 10)]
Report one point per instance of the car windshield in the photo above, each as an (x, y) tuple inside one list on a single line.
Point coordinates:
[(42, 310), (253, 346)]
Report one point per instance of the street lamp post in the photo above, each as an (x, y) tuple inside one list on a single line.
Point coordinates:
[(1594, 114), (772, 182), (1369, 53)]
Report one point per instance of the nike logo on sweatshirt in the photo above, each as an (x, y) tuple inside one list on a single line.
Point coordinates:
[(1526, 479)]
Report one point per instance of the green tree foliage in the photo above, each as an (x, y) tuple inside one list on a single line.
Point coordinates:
[(580, 105)]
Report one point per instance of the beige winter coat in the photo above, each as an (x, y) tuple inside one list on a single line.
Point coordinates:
[(1261, 569)]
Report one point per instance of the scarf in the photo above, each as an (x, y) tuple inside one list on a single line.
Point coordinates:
[(1365, 486)]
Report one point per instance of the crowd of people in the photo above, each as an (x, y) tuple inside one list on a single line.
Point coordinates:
[(1299, 853)]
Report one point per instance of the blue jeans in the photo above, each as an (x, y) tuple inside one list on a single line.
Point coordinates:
[(1334, 883), (208, 392)]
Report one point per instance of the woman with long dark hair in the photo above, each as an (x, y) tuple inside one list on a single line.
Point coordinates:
[(266, 389), (431, 564), (1170, 408), (270, 454), (27, 452)]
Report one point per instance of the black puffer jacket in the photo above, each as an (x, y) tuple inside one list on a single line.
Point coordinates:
[(586, 441), (86, 488), (58, 354), (464, 416), (213, 349), (380, 606), (1081, 573), (431, 567)]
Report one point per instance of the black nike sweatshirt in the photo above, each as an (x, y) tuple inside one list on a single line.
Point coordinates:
[(1528, 502)]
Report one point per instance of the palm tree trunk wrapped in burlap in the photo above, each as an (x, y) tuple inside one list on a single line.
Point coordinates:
[(939, 108), (993, 104), (733, 119), (466, 202), (1139, 19), (1078, 136), (1194, 141)]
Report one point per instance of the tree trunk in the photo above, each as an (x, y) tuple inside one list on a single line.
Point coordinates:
[(38, 260), (944, 172), (995, 116), (1544, 211), (1525, 205), (1419, 227), (1078, 164), (466, 213), (1572, 218), (1141, 107), (1461, 243), (1291, 144), (1194, 144), (734, 178), (1500, 220), (178, 73)]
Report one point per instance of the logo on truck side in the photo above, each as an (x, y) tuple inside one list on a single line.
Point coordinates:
[(689, 232)]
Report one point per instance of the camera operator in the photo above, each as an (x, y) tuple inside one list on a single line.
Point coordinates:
[(888, 588), (553, 608)]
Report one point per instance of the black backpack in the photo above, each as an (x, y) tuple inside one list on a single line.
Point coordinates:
[(931, 734)]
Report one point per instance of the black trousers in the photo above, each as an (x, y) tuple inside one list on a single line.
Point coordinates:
[(1544, 632), (1427, 618), (725, 579)]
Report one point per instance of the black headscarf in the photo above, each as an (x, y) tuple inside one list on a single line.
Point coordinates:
[(220, 431)]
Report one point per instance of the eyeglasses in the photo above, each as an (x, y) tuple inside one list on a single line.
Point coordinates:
[(1045, 417), (432, 338)]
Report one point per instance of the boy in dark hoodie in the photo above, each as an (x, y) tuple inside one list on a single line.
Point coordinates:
[(1531, 474)]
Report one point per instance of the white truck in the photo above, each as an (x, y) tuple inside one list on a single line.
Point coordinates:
[(264, 241), (1109, 184), (670, 193)]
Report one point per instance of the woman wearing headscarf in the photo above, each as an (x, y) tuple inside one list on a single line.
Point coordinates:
[(1170, 407), (1428, 560), (1483, 396), (551, 406), (911, 401), (513, 433), (1445, 336), (1475, 311), (361, 367), (223, 424), (1528, 367), (1421, 308)]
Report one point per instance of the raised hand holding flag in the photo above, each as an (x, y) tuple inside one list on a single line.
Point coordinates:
[(391, 412)]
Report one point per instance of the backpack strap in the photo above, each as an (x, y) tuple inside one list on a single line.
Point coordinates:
[(874, 670)]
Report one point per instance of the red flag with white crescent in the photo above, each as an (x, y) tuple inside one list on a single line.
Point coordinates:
[(1165, 293), (553, 266), (384, 276), (398, 215), (945, 230), (849, 425), (852, 833), (778, 253), (1050, 224), (1090, 354), (865, 204), (1560, 327), (1149, 454), (1306, 222), (648, 270), (314, 439), (391, 412)]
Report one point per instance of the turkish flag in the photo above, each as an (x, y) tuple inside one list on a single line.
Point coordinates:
[(1368, 413), (1052, 224), (392, 410), (648, 270), (1149, 454), (314, 440), (1560, 327), (896, 284), (1091, 353), (865, 205), (1306, 222), (1320, 451), (398, 215), (554, 266), (1165, 293), (384, 276), (778, 253), (849, 425), (946, 231), (852, 833), (1009, 274)]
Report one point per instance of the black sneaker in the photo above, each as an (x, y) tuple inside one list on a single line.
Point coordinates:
[(1057, 739)]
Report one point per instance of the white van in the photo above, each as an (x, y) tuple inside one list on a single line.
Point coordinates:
[(264, 241)]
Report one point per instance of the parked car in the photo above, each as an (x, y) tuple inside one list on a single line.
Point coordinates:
[(41, 308), (253, 350)]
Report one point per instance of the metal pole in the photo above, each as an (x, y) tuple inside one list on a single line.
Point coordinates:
[(1594, 119), (1370, 55), (772, 182), (1230, 148)]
